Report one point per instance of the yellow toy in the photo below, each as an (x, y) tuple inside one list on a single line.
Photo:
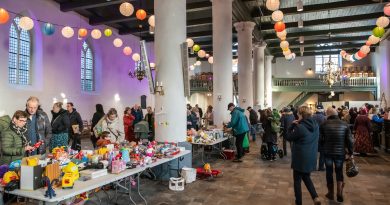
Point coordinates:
[(207, 168), (102, 151), (9, 176), (71, 175), (32, 161)]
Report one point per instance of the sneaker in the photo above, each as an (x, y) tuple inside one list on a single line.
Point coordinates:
[(237, 160)]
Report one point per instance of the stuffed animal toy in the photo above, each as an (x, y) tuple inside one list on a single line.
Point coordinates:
[(207, 168)]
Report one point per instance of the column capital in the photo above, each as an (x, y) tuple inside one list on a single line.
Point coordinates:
[(269, 57), (260, 44), (244, 26)]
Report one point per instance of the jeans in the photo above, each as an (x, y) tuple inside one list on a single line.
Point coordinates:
[(338, 161), (253, 132), (240, 149), (298, 177), (321, 161)]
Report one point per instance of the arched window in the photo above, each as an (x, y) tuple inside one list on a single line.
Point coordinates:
[(19, 60), (87, 71)]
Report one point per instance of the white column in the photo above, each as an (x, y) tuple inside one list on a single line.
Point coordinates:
[(222, 53), (170, 32), (258, 72), (268, 81), (245, 77)]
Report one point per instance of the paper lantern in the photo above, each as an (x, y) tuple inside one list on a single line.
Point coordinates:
[(26, 23), (96, 34), (107, 32), (196, 48), (287, 52), (211, 60), (361, 54), (126, 9), (386, 9), (117, 42), (282, 34), (277, 15), (201, 53), (272, 5), (279, 26), (207, 55), (140, 14), (283, 38), (192, 67), (67, 32), (152, 65), (198, 63), (378, 32), (368, 43), (190, 42), (293, 55), (284, 44), (373, 40), (152, 21), (136, 57), (127, 50), (4, 16), (365, 49), (285, 49), (382, 21), (83, 32), (342, 52), (356, 56), (48, 29)]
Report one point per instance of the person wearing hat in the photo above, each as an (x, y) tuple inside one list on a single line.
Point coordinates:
[(285, 122), (320, 118), (239, 125), (253, 119)]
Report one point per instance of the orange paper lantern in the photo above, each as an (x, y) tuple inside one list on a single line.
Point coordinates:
[(4, 16), (361, 54), (83, 32), (279, 26), (141, 14), (368, 43)]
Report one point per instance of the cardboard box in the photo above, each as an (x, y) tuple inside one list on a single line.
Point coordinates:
[(30, 177)]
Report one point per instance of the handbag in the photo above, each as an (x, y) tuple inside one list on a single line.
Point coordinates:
[(351, 170), (245, 143)]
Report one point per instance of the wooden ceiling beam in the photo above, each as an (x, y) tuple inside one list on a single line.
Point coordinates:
[(343, 19), (87, 4), (315, 48)]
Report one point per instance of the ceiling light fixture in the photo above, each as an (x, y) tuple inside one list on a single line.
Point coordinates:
[(299, 5), (301, 39), (300, 23)]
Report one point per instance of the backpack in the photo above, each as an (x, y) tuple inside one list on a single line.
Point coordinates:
[(275, 126)]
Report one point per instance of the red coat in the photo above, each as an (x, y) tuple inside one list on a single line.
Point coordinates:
[(129, 129)]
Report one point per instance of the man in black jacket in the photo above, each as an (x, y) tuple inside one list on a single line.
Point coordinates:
[(76, 126), (335, 138), (253, 119)]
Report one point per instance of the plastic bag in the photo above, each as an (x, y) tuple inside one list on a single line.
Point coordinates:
[(245, 143)]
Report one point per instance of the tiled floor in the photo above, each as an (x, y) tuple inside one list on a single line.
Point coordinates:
[(261, 182)]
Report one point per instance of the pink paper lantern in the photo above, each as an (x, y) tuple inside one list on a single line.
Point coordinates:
[(386, 9)]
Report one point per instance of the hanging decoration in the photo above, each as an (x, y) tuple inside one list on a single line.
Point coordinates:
[(136, 57), (151, 21), (201, 53), (211, 59), (26, 23), (126, 9), (140, 14), (127, 50), (190, 42), (386, 9), (96, 34), (107, 32), (279, 26), (4, 16), (196, 48), (272, 5), (48, 29), (277, 15), (118, 42), (83, 32), (67, 32)]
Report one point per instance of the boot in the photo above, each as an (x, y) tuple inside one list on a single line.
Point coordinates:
[(330, 194), (317, 201), (340, 187)]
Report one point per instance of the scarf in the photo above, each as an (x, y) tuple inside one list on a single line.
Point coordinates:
[(21, 131)]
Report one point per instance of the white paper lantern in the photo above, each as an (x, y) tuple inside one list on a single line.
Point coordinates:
[(201, 53), (126, 9), (272, 5), (207, 55), (190, 42), (282, 34), (67, 32), (373, 39), (382, 21), (288, 52), (284, 44), (365, 49), (293, 55), (117, 42), (198, 63), (211, 60), (136, 57), (152, 65), (192, 67), (96, 34), (289, 56), (26, 23), (277, 15), (350, 57), (152, 21)]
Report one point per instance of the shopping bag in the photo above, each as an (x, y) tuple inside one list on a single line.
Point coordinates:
[(351, 169), (245, 143)]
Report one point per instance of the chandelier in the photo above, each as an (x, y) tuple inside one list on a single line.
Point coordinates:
[(331, 74), (138, 72)]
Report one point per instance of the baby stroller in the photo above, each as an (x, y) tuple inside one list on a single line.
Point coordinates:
[(275, 147)]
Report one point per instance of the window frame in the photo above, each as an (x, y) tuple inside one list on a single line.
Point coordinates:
[(84, 69), (324, 59)]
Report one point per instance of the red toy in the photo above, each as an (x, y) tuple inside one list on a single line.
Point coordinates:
[(37, 145), (202, 174)]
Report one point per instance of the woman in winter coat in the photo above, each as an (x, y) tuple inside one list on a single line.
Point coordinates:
[(304, 134), (113, 125), (60, 124), (128, 119), (270, 136), (14, 137), (99, 114), (363, 141)]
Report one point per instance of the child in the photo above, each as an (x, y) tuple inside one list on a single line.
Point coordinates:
[(104, 139)]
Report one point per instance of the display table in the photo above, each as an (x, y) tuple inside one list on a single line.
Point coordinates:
[(85, 186), (217, 145)]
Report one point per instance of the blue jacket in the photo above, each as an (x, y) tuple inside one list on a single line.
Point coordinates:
[(286, 121), (304, 138), (238, 122)]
